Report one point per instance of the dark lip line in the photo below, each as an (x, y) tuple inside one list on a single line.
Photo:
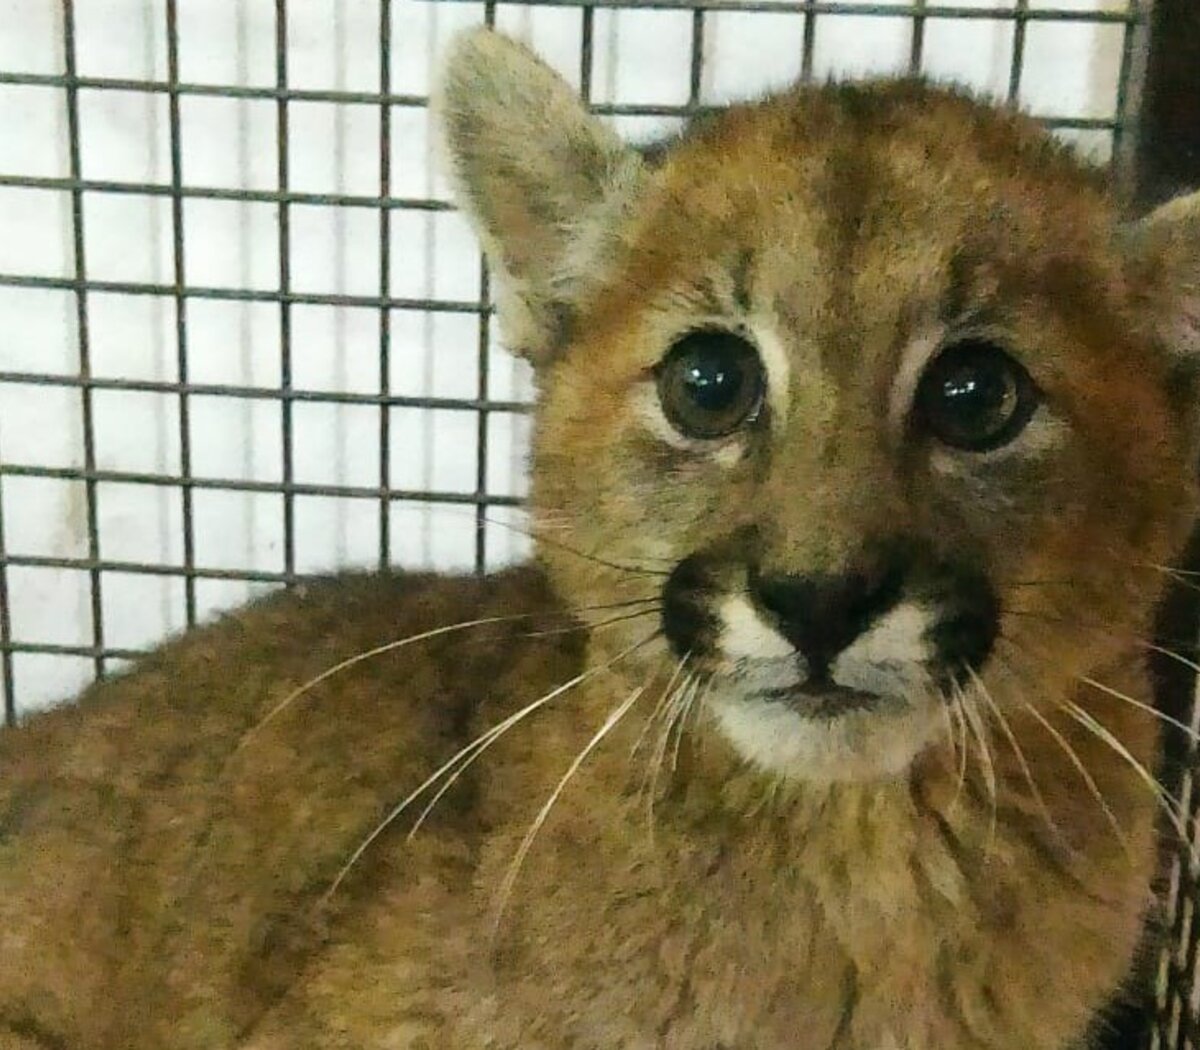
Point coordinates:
[(825, 700)]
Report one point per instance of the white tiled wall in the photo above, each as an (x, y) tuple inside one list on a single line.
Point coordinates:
[(639, 57)]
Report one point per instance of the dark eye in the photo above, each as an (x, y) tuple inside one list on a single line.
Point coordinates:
[(975, 397), (710, 383)]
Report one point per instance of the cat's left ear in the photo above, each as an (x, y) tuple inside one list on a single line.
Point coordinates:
[(543, 181), (1163, 251)]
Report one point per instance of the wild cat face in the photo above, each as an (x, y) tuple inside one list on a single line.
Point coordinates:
[(861, 386)]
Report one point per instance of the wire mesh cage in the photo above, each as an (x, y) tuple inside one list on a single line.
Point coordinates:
[(248, 338)]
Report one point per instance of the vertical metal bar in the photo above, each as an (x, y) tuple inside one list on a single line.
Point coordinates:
[(484, 363), (917, 49), (6, 656), (696, 59), (810, 40), (81, 312), (587, 43), (180, 277), (1020, 25), (1135, 52), (285, 287), (385, 254)]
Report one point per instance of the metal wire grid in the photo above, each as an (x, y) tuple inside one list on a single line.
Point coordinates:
[(1176, 1024)]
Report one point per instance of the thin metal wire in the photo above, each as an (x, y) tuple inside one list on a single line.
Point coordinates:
[(385, 288), (1135, 51), (483, 371), (1021, 21), (153, 189), (810, 40), (84, 343), (288, 488), (252, 295), (285, 286), (180, 274), (696, 58), (6, 663), (916, 52), (265, 393)]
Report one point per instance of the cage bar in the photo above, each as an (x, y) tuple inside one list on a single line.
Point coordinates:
[(84, 345)]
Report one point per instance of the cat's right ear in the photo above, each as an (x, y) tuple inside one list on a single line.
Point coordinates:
[(1164, 248), (539, 177)]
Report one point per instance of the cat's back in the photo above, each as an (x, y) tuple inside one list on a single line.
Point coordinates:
[(164, 838)]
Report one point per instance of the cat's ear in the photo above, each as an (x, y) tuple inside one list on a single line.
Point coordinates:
[(1164, 250), (538, 176)]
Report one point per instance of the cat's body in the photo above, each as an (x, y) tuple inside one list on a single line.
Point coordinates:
[(164, 889), (846, 714)]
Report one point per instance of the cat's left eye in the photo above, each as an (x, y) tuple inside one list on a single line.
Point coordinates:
[(976, 397), (710, 383)]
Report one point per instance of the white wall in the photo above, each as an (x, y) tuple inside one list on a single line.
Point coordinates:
[(640, 57)]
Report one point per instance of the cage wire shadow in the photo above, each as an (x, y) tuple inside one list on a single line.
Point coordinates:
[(1174, 1024)]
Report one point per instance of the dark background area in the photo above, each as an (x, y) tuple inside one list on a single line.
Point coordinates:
[(1169, 144)]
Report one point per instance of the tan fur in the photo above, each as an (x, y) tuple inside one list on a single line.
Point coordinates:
[(164, 875)]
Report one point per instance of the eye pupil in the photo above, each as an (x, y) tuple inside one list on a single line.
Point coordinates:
[(975, 397), (710, 383)]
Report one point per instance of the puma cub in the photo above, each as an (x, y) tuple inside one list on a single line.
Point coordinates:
[(865, 440)]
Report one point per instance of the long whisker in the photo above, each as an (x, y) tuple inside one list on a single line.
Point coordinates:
[(1106, 630), (1164, 799), (510, 876), (470, 752), (986, 765), (1162, 716), (1006, 729), (964, 747), (393, 646), (539, 536), (481, 744), (674, 708), (951, 744), (369, 654), (660, 704), (1088, 779), (699, 691), (599, 624)]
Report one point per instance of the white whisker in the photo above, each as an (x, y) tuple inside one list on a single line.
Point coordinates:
[(1168, 804), (659, 705), (510, 876), (956, 706), (369, 654), (1006, 729), (657, 759), (1083, 772), (401, 643), (1142, 706), (986, 765), (468, 754), (951, 743), (699, 690)]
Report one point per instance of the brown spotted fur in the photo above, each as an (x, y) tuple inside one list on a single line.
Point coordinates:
[(163, 887)]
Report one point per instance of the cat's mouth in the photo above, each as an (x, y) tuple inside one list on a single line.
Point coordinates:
[(825, 699)]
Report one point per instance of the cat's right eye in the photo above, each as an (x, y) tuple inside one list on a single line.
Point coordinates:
[(710, 383), (975, 397)]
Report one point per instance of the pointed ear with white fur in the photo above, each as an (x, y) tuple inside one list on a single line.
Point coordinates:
[(538, 176), (1164, 250)]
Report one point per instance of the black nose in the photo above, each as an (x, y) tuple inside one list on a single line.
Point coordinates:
[(822, 615)]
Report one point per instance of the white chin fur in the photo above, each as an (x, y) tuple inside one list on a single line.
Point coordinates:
[(888, 661), (859, 745)]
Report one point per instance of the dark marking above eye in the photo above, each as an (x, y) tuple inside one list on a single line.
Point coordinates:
[(740, 275)]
